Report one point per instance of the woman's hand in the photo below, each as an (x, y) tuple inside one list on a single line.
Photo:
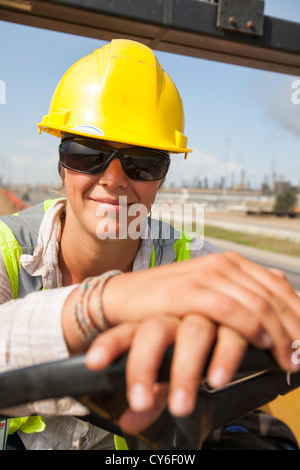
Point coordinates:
[(220, 298), (147, 341), (226, 288)]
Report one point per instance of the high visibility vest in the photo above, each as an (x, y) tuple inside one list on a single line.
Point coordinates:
[(26, 225), (19, 234)]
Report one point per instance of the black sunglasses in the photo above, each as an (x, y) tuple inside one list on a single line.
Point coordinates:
[(93, 157)]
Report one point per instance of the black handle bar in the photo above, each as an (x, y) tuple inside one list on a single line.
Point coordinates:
[(258, 381)]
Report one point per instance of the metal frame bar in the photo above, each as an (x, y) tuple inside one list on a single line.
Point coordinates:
[(186, 27)]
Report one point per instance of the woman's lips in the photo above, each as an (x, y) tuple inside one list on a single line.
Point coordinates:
[(113, 204)]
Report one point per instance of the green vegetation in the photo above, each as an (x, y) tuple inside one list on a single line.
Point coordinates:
[(276, 245), (285, 202), (257, 241)]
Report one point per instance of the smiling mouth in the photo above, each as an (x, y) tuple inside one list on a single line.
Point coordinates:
[(113, 204)]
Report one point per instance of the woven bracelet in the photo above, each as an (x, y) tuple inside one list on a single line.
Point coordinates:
[(83, 321), (99, 315)]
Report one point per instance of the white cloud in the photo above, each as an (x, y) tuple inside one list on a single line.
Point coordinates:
[(276, 98)]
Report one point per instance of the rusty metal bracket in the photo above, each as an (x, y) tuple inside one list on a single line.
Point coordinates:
[(19, 4), (241, 16)]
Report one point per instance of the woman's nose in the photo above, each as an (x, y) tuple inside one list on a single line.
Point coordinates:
[(114, 175)]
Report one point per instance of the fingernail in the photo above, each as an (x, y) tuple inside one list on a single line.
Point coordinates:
[(179, 402), (97, 357), (266, 341), (139, 397), (218, 377)]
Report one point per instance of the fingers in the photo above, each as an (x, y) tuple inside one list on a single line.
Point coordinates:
[(147, 349), (194, 340), (226, 358), (110, 345), (132, 422), (115, 342), (278, 272), (268, 282), (226, 288), (232, 306), (281, 317), (252, 300), (224, 300)]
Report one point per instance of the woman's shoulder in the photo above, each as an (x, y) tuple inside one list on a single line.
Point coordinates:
[(201, 247)]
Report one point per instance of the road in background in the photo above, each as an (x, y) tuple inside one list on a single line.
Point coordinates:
[(283, 228)]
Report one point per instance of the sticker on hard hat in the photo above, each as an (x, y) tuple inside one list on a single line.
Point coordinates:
[(87, 129)]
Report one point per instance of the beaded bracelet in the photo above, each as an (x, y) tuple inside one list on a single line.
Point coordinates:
[(83, 321)]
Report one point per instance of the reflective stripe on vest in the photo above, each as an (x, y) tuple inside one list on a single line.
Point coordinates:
[(19, 234)]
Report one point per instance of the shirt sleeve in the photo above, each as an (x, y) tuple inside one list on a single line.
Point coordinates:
[(31, 333), (31, 330)]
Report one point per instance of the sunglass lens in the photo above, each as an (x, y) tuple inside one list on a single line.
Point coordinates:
[(83, 159), (147, 167)]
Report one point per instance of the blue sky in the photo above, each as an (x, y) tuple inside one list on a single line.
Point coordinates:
[(236, 118)]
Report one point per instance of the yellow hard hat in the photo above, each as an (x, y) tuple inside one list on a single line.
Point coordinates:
[(119, 93)]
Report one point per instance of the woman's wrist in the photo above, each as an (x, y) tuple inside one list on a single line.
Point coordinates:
[(83, 317), (94, 297)]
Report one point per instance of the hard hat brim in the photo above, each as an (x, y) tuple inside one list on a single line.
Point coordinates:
[(57, 131)]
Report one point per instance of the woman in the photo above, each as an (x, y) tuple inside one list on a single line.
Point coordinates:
[(119, 116)]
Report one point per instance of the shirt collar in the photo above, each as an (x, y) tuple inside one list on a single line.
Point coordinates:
[(44, 261)]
